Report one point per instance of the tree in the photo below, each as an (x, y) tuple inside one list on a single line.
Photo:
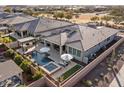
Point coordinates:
[(28, 11), (25, 66), (18, 59), (58, 15), (106, 19), (37, 75), (10, 53), (68, 16), (117, 19), (117, 11), (7, 9), (95, 19)]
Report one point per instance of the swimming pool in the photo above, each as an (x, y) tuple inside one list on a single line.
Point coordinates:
[(50, 67), (40, 59)]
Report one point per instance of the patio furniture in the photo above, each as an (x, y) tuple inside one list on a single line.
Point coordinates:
[(66, 57), (44, 49)]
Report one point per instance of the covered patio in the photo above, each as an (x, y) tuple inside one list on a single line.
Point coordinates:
[(56, 43), (27, 45)]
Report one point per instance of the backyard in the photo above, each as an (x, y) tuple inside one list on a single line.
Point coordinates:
[(104, 73), (25, 65), (7, 39), (70, 72)]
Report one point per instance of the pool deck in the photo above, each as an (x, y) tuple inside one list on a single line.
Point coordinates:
[(54, 55), (63, 70)]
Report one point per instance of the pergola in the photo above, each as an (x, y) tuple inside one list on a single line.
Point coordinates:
[(29, 40)]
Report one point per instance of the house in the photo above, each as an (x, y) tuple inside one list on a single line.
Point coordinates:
[(9, 69), (3, 14), (39, 25), (25, 25), (81, 41), (15, 20)]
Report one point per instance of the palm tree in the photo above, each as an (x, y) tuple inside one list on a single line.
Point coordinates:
[(95, 19)]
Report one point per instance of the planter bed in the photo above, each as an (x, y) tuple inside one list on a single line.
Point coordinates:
[(70, 72)]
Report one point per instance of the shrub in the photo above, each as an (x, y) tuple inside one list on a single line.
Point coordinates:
[(10, 53), (7, 40), (88, 83), (1, 40), (109, 65), (109, 69), (61, 78), (37, 75), (96, 80), (102, 75), (25, 66), (18, 59)]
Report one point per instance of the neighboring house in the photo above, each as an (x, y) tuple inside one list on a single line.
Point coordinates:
[(39, 25), (8, 69), (3, 14), (15, 20), (24, 25), (81, 41)]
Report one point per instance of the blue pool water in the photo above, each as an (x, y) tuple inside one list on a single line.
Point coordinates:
[(39, 58), (50, 67)]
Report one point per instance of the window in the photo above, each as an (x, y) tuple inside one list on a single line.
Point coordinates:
[(78, 53), (70, 50), (74, 51)]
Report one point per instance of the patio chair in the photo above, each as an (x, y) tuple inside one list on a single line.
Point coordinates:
[(61, 64)]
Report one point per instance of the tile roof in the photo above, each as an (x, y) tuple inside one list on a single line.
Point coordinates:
[(43, 24), (8, 69), (17, 20), (82, 37)]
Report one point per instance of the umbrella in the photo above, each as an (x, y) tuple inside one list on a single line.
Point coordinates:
[(66, 57), (45, 49)]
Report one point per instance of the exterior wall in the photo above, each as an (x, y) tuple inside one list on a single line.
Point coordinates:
[(92, 50), (76, 57), (77, 77), (39, 83), (97, 47), (12, 44), (49, 82)]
